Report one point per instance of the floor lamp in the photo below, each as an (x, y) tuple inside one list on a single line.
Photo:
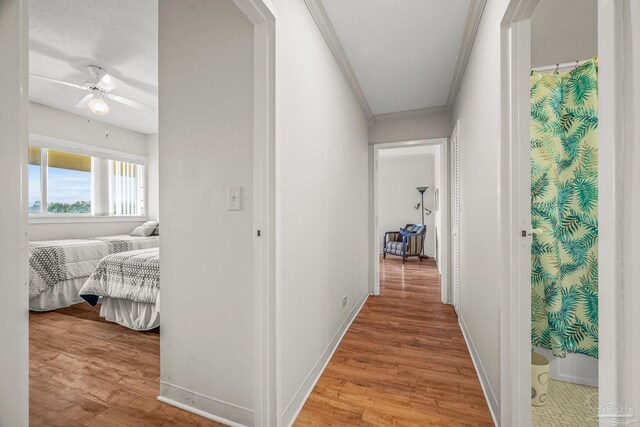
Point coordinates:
[(421, 190)]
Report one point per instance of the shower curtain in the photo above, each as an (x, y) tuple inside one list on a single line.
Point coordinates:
[(564, 205)]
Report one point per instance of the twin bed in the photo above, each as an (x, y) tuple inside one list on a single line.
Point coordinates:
[(121, 271)]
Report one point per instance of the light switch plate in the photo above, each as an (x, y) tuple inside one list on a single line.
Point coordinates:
[(234, 198)]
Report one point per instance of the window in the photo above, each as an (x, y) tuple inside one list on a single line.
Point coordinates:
[(66, 181), (125, 196), (35, 190)]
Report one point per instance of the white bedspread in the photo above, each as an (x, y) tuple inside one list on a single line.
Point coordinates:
[(56, 261), (132, 275)]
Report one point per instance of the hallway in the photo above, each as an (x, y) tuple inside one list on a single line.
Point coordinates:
[(403, 361)]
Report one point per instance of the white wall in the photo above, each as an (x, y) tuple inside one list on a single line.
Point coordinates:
[(398, 178), (322, 209), (411, 129), (14, 333), (575, 368), (80, 229), (437, 213), (44, 120), (478, 110), (48, 121), (564, 31), (153, 178), (207, 251)]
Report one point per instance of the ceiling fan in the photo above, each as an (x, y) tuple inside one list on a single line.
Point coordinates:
[(101, 84)]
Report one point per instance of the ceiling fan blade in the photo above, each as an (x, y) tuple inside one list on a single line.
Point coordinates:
[(84, 102), (49, 79), (109, 82), (130, 102)]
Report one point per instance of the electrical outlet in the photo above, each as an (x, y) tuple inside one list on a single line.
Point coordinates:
[(344, 301)]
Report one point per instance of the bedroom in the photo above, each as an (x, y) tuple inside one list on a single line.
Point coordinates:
[(93, 202)]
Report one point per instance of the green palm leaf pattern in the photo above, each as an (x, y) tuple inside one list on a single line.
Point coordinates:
[(564, 204)]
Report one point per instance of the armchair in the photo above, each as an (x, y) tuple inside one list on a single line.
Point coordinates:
[(406, 243)]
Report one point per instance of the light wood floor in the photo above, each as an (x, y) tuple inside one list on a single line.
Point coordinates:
[(88, 372), (403, 362)]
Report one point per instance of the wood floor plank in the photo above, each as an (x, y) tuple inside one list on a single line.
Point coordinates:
[(85, 371), (403, 361)]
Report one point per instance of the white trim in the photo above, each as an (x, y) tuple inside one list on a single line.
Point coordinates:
[(404, 156), (374, 249), (514, 215), (489, 395), (79, 219), (421, 112), (331, 37), (302, 394), (471, 30), (374, 245), (263, 15), (38, 140), (14, 278), (455, 216), (617, 289), (444, 262), (175, 396)]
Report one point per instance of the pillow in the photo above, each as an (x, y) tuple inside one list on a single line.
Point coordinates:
[(145, 230), (156, 232)]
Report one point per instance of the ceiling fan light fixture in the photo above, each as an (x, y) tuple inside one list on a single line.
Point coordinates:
[(98, 106)]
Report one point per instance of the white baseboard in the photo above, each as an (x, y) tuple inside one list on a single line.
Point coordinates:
[(295, 406), (205, 406), (490, 397)]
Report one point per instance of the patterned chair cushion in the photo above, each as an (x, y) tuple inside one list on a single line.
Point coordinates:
[(395, 247), (415, 229)]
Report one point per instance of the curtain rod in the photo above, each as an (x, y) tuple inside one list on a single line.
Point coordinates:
[(560, 66)]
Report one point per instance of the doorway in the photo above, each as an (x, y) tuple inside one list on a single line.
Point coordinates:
[(15, 44), (537, 59), (413, 202)]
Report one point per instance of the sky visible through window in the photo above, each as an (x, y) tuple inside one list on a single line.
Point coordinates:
[(69, 186), (34, 188), (64, 186)]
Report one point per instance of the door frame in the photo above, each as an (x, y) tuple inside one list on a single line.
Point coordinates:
[(374, 149), (14, 307), (14, 289), (262, 14), (455, 258), (515, 211)]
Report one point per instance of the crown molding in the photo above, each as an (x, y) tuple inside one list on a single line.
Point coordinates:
[(421, 112), (323, 22), (471, 29)]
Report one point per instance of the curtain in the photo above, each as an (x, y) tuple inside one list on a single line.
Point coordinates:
[(564, 205)]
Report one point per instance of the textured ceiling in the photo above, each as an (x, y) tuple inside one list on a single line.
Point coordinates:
[(120, 36), (403, 52)]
